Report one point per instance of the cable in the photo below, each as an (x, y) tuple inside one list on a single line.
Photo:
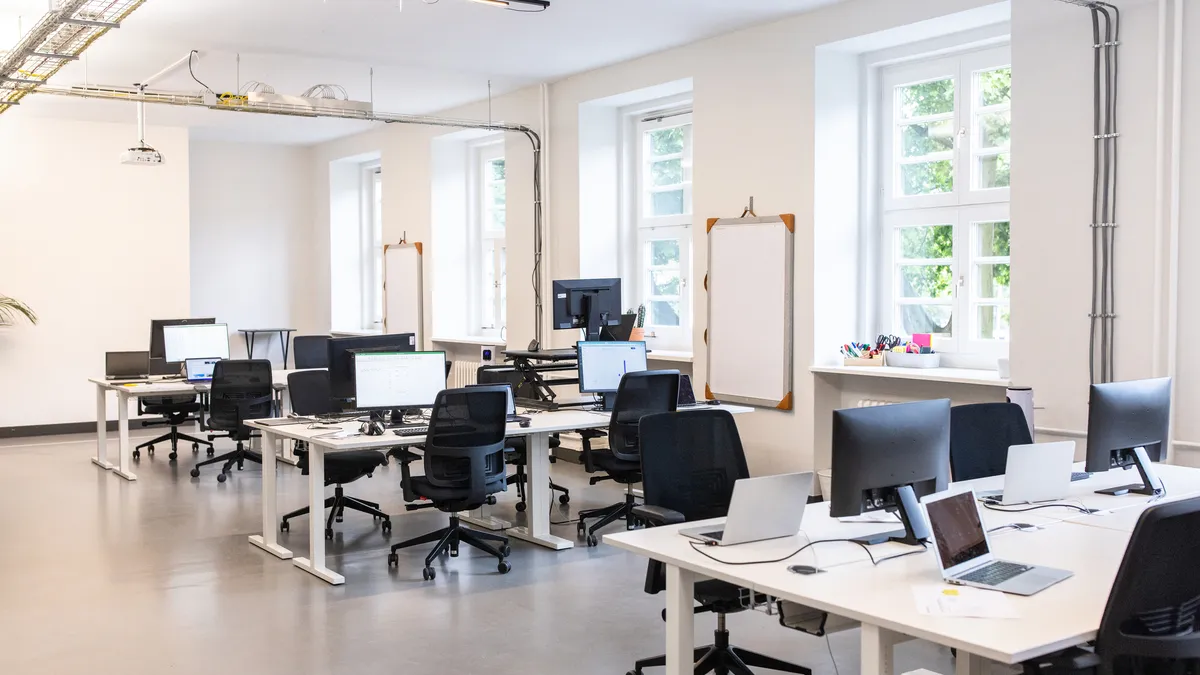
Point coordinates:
[(810, 544), (1095, 314), (831, 658), (192, 57), (1081, 509)]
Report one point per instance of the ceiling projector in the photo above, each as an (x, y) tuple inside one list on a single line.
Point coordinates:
[(143, 155)]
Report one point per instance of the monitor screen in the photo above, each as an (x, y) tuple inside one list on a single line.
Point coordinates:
[(156, 333), (195, 341), (957, 529), (603, 364), (384, 380)]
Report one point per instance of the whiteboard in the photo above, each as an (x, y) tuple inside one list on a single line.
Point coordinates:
[(403, 290), (749, 332)]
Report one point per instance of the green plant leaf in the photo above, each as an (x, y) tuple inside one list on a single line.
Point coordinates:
[(12, 309)]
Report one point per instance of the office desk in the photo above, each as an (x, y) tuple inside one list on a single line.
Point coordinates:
[(542, 425)]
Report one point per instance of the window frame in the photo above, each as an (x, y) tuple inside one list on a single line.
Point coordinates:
[(371, 247), (487, 244)]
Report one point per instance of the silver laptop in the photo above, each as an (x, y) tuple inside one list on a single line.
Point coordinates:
[(199, 371), (964, 552), (761, 508), (1040, 472)]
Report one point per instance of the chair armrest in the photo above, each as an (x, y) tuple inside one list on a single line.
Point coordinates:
[(403, 455), (1066, 662), (658, 515)]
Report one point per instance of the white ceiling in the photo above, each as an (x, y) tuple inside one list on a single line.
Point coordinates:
[(427, 57)]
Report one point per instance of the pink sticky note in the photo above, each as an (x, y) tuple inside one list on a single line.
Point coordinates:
[(922, 339)]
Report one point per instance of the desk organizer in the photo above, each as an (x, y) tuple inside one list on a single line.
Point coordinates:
[(862, 362), (897, 360)]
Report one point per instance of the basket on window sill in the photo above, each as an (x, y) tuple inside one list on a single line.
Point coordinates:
[(637, 335)]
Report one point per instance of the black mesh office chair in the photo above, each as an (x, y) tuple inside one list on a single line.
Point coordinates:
[(175, 411), (241, 390), (310, 351), (464, 463), (689, 465), (515, 454), (1150, 623), (980, 435), (638, 395), (310, 396)]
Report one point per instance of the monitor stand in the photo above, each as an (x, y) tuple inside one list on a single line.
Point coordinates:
[(1151, 485), (916, 528), (610, 399), (595, 320)]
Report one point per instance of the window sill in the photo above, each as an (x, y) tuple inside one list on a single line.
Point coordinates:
[(983, 378), (669, 355), (469, 340)]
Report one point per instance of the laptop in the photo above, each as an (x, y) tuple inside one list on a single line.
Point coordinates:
[(1040, 472), (761, 508), (199, 371), (687, 395), (964, 552), (126, 365)]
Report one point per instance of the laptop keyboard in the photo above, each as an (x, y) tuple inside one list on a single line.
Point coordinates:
[(995, 573)]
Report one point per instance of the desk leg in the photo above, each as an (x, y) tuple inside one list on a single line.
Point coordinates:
[(877, 649), (101, 458), (314, 564), (537, 496), (970, 664), (126, 457), (269, 540), (480, 519), (283, 338), (680, 621), (250, 345)]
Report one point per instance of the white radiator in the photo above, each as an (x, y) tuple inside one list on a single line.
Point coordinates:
[(872, 402), (462, 373)]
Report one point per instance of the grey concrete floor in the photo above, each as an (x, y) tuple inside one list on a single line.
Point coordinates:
[(102, 576)]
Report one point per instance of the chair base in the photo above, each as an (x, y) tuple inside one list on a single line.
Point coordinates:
[(448, 540), (520, 478), (173, 437), (238, 456), (337, 505), (609, 514), (722, 658)]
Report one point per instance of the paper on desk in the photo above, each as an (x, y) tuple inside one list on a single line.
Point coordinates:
[(344, 433), (963, 601), (871, 517)]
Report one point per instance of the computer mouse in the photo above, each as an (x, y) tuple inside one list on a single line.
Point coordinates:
[(804, 569), (524, 424)]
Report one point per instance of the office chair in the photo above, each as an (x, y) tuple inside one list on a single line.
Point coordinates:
[(515, 453), (310, 351), (980, 435), (1150, 622), (310, 396), (464, 464), (639, 394), (689, 465), (175, 411), (241, 390)]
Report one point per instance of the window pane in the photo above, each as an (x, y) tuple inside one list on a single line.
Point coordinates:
[(995, 86), (498, 219), (667, 172), (488, 306), (664, 282), (497, 169), (927, 178), (666, 203), (927, 98), (994, 172), (926, 281), (992, 322), (499, 196), (991, 281), (664, 252), (934, 242), (667, 141), (935, 319), (991, 240), (918, 140), (995, 130), (664, 313)]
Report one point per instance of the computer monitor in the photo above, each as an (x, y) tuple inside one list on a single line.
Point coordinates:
[(603, 364), (341, 359), (589, 304), (887, 458), (1128, 425), (195, 341), (158, 358), (398, 380)]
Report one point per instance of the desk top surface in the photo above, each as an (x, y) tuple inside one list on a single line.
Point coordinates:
[(169, 387)]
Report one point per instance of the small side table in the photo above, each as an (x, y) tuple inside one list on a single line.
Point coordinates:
[(285, 335)]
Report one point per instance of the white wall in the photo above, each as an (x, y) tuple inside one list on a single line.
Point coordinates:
[(98, 249)]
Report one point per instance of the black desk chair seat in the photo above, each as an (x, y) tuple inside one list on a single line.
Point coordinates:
[(174, 411), (342, 468)]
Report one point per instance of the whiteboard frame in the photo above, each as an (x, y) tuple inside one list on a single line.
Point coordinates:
[(420, 289), (744, 321)]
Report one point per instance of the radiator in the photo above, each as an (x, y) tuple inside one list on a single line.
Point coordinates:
[(462, 373), (872, 402)]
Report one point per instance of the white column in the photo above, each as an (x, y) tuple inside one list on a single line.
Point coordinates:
[(269, 539), (680, 621), (537, 496), (126, 453), (314, 564), (101, 458)]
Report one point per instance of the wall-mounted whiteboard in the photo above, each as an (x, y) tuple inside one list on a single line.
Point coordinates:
[(403, 290), (749, 332)]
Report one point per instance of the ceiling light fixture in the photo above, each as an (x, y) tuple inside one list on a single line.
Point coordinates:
[(507, 4)]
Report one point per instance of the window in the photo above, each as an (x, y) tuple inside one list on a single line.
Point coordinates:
[(664, 228), (372, 247), (945, 171), (488, 225)]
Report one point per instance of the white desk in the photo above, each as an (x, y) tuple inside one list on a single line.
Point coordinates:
[(881, 597), (542, 425)]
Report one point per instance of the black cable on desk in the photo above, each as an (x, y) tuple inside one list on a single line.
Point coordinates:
[(874, 560), (1080, 509)]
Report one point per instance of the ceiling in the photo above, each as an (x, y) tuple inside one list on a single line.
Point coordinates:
[(426, 57)]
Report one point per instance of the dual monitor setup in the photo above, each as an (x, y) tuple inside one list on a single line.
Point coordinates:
[(196, 344)]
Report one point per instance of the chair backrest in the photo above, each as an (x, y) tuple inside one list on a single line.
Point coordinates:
[(1152, 608), (310, 351), (980, 435), (309, 392), (241, 390), (690, 461), (464, 449), (639, 394)]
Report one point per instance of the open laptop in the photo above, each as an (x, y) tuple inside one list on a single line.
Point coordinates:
[(199, 371), (687, 395), (761, 508), (1040, 472), (964, 552), (126, 365)]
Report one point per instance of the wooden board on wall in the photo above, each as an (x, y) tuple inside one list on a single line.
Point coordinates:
[(403, 290)]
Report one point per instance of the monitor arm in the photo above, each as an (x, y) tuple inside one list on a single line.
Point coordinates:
[(594, 319), (908, 508), (1151, 484)]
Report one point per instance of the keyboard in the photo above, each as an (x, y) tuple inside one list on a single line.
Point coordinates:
[(411, 431), (994, 574), (1079, 475)]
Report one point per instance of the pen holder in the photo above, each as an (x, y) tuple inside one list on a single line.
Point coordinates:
[(862, 362)]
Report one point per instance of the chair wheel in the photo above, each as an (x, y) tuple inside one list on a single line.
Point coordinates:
[(221, 477), (137, 454), (592, 541), (195, 472), (634, 672), (393, 560), (520, 507), (564, 499), (491, 500), (150, 449), (210, 452), (387, 526), (173, 456), (329, 533), (283, 526), (195, 447), (504, 567), (428, 574), (506, 550), (581, 529), (453, 553)]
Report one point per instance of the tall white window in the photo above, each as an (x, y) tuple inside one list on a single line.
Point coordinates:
[(944, 169), (371, 238), (488, 226), (664, 228)]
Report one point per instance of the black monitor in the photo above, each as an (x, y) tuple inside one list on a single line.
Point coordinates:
[(589, 304), (158, 356), (341, 360), (1128, 425), (887, 458)]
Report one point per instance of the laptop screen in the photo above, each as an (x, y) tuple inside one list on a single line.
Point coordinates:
[(957, 528), (199, 370)]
